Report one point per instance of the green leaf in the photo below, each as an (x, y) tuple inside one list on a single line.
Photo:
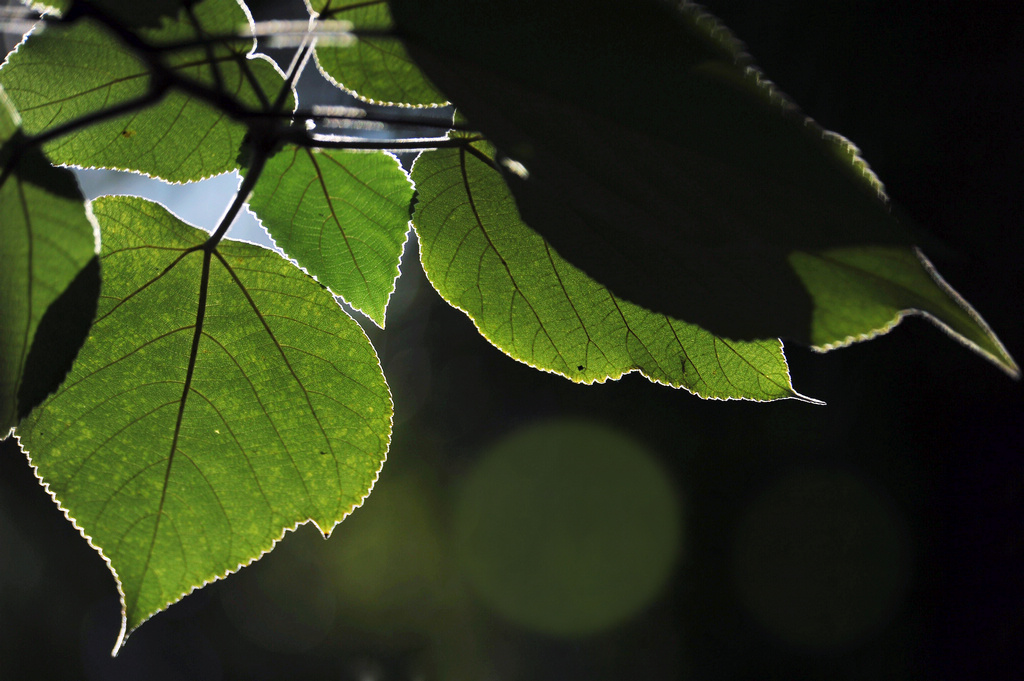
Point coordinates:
[(874, 288), (535, 306), (374, 68), (48, 248), (343, 216), (223, 397), (653, 156), (63, 72), (130, 12)]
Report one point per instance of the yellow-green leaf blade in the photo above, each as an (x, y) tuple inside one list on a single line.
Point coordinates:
[(46, 242), (343, 216), (128, 12), (374, 68), (184, 454), (535, 306), (862, 292), (61, 73)]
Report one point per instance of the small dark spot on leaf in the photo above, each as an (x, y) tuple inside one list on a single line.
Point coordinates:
[(579, 368), (323, 453), (127, 133)]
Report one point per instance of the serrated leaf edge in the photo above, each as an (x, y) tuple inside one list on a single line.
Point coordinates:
[(401, 253), (313, 14), (794, 394), (122, 637), (125, 632), (369, 100)]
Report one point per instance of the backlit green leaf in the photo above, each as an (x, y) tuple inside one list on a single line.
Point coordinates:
[(46, 243), (223, 397), (130, 12), (63, 72), (873, 288), (535, 306), (342, 215), (375, 68)]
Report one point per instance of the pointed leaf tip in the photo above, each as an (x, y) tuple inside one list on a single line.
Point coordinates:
[(343, 216), (860, 293)]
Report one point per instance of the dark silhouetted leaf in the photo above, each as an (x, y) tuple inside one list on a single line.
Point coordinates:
[(650, 153), (58, 338)]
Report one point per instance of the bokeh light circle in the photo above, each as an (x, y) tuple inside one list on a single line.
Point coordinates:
[(567, 528)]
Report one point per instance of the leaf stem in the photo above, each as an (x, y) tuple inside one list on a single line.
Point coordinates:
[(259, 158)]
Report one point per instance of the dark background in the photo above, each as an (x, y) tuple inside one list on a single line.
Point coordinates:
[(879, 537)]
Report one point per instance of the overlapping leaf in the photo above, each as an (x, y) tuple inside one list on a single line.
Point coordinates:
[(63, 72), (657, 160), (222, 398), (375, 68), (47, 252), (532, 304), (342, 215)]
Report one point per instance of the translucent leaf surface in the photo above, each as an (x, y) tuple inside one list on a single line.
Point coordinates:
[(221, 399), (342, 215), (873, 288), (61, 73), (131, 12), (655, 158), (541, 310), (46, 242), (374, 68)]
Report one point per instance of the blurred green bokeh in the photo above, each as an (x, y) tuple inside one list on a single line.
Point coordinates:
[(567, 528)]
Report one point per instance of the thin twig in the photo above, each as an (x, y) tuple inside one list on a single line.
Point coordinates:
[(297, 66)]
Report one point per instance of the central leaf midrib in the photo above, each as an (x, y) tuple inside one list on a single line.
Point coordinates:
[(334, 217), (193, 354)]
